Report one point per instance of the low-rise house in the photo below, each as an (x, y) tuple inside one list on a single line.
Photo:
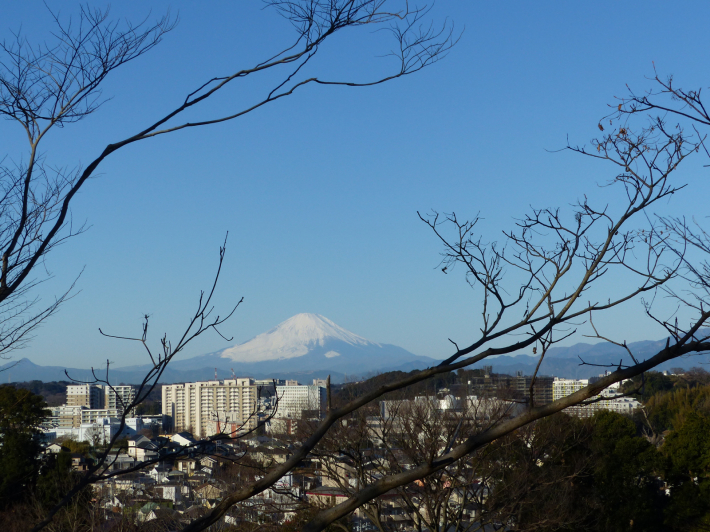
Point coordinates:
[(199, 478), (177, 477), (119, 461), (141, 448), (270, 455), (133, 441), (114, 503), (326, 496), (128, 483), (192, 513), (78, 462), (154, 510), (146, 451), (170, 492), (165, 515), (258, 441), (186, 465), (183, 438), (53, 448), (210, 503), (159, 473), (208, 491), (209, 461)]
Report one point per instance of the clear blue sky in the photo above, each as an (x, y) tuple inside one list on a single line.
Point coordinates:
[(319, 192)]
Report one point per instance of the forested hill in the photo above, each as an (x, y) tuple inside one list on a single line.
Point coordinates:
[(54, 393)]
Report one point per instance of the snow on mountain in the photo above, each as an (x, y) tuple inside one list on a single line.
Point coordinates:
[(295, 337)]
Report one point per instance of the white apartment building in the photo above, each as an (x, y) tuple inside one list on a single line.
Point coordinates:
[(119, 397), (609, 399), (203, 407), (293, 399), (65, 417), (99, 430), (92, 415)]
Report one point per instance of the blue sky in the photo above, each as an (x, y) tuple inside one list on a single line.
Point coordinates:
[(319, 192)]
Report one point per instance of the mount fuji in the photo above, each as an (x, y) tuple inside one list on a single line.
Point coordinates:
[(308, 344), (296, 337)]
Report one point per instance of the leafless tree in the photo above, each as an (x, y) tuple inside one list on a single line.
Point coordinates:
[(536, 288), (521, 481), (557, 259), (96, 436), (102, 469), (556, 264), (418, 431), (539, 478), (56, 84)]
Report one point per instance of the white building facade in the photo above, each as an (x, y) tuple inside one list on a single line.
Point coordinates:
[(294, 399), (609, 399), (119, 397), (97, 431), (203, 407)]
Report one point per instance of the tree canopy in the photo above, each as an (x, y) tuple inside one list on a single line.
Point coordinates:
[(21, 413)]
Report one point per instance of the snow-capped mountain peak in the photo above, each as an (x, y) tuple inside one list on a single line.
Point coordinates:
[(294, 337)]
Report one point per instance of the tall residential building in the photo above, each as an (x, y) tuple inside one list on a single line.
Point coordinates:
[(542, 391), (119, 397), (86, 395), (564, 387), (205, 408), (101, 400), (81, 397), (293, 399)]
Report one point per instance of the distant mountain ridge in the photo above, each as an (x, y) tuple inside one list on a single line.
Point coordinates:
[(304, 347), (309, 346), (567, 362)]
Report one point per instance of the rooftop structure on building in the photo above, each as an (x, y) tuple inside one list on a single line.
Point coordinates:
[(270, 382)]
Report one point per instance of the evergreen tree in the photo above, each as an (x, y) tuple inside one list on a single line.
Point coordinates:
[(21, 413)]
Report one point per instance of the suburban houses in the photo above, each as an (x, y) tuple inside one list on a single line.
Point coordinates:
[(213, 436)]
